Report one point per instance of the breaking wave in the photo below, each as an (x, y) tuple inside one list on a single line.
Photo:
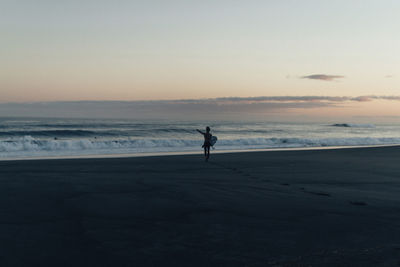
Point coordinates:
[(28, 146)]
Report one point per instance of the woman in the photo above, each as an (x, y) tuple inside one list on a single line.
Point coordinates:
[(207, 142)]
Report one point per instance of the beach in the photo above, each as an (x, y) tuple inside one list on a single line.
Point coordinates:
[(337, 207)]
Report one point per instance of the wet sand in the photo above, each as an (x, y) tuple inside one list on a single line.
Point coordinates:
[(278, 208)]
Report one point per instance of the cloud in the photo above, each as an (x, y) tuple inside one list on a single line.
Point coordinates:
[(394, 98), (284, 98), (215, 108), (374, 97), (323, 77), (362, 98)]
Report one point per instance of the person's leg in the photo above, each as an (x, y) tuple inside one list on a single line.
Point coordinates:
[(208, 152)]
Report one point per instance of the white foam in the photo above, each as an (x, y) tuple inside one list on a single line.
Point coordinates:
[(31, 147)]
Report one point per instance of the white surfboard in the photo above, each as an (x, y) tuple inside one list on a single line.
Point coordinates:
[(213, 140)]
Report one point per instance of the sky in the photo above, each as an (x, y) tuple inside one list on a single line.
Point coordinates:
[(61, 51)]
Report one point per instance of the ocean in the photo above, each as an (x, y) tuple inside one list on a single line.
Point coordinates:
[(44, 137)]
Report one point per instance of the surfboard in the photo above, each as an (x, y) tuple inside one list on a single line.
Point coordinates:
[(213, 140)]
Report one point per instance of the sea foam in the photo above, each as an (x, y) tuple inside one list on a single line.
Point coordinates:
[(29, 146)]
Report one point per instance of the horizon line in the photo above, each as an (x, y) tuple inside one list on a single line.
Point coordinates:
[(281, 98)]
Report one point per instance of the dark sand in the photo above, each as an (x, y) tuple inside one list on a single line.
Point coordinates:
[(290, 208)]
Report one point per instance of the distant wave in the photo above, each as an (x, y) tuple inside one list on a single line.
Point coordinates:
[(116, 133), (48, 133), (353, 125), (67, 133), (29, 146)]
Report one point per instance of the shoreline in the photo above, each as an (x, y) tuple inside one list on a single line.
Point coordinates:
[(182, 153)]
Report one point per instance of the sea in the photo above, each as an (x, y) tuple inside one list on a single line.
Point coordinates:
[(54, 137)]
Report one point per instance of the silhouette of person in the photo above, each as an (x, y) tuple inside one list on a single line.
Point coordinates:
[(207, 142)]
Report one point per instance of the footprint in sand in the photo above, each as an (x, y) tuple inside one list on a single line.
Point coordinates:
[(358, 203), (316, 193)]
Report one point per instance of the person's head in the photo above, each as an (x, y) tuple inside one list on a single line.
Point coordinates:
[(208, 129)]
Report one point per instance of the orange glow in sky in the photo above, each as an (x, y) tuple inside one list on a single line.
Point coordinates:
[(72, 51)]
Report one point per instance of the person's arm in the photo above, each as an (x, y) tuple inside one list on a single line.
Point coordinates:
[(200, 131)]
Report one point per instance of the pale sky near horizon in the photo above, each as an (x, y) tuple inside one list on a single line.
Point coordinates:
[(142, 50)]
